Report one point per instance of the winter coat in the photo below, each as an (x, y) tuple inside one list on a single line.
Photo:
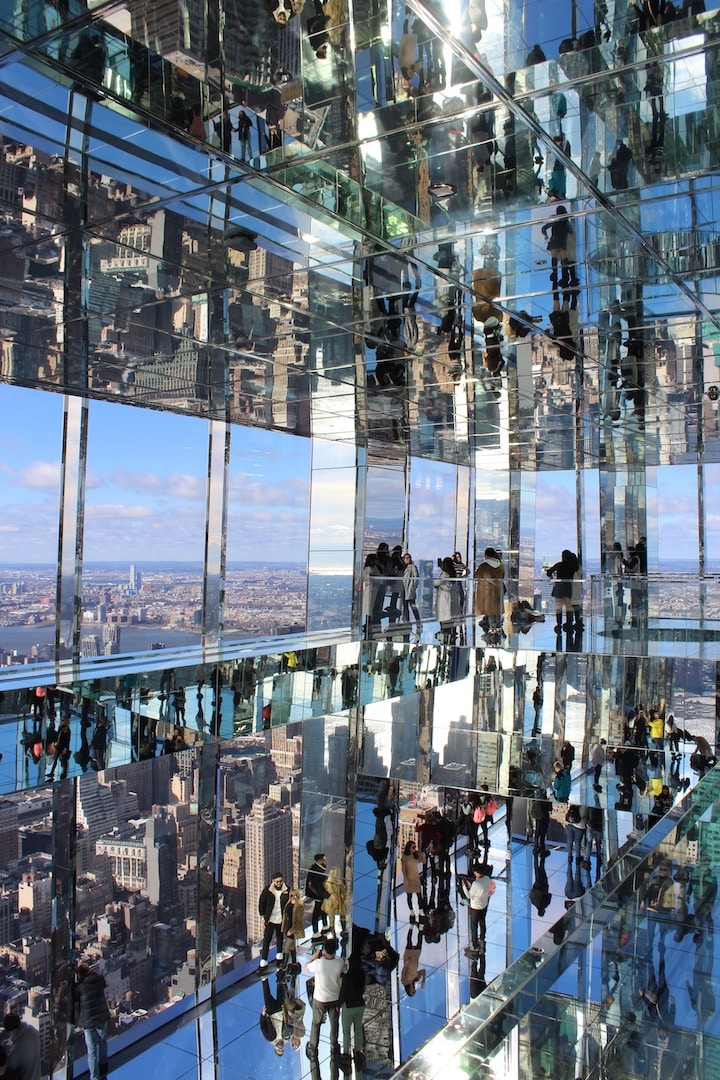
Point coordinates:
[(562, 785), (266, 903), (447, 602), (315, 882), (410, 581), (410, 866), (91, 1008), (489, 590), (336, 902), (293, 921)]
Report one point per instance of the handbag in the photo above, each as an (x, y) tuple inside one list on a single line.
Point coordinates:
[(479, 815)]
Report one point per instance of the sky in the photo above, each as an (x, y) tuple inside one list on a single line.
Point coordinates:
[(146, 494)]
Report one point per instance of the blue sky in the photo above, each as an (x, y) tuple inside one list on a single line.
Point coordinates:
[(146, 493)]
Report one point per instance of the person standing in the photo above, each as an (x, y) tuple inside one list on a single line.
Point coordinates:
[(412, 973), (315, 890), (410, 867), (489, 590), (328, 970), (92, 1015), (396, 585), (271, 906), (478, 893), (564, 572), (411, 578), (353, 1010), (335, 902), (460, 572), (62, 749), (371, 587), (598, 757), (23, 1049), (540, 816), (447, 607), (293, 929)]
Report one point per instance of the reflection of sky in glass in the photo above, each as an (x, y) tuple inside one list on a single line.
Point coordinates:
[(30, 448)]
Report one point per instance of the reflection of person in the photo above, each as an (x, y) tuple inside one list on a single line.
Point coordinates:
[(271, 1017), (659, 899), (62, 749), (92, 1015), (411, 973), (315, 890), (619, 166), (23, 1049), (410, 866)]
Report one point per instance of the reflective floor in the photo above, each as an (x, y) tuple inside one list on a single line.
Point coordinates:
[(532, 893)]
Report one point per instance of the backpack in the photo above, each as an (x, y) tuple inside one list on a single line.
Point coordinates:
[(491, 807)]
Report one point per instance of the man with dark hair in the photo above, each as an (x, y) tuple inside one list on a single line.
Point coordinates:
[(271, 905), (92, 1015), (315, 890), (23, 1049), (328, 970)]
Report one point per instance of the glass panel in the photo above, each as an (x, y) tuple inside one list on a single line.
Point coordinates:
[(332, 536), (32, 436), (265, 556), (132, 601)]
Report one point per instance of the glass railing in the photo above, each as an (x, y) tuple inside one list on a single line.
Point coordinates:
[(621, 979)]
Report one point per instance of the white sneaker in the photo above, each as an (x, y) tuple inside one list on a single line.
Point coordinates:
[(263, 963)]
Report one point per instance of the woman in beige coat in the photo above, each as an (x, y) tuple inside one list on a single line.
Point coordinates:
[(490, 590), (336, 902)]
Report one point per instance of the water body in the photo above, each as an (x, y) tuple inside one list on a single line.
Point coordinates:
[(132, 638)]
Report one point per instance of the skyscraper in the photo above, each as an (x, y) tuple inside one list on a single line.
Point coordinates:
[(268, 849), (284, 287)]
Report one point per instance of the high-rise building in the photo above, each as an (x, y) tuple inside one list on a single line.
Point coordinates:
[(281, 283), (268, 849)]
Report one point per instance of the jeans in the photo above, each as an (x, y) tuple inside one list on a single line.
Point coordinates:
[(96, 1045)]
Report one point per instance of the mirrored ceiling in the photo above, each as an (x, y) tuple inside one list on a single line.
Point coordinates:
[(404, 224)]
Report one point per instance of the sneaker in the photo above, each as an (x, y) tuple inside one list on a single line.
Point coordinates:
[(359, 1059), (263, 964)]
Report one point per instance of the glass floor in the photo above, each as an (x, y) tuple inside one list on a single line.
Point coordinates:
[(538, 901)]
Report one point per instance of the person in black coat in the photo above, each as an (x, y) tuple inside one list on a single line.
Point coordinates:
[(92, 1015), (271, 905), (315, 890)]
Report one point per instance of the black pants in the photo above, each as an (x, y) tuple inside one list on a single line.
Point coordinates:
[(270, 929)]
